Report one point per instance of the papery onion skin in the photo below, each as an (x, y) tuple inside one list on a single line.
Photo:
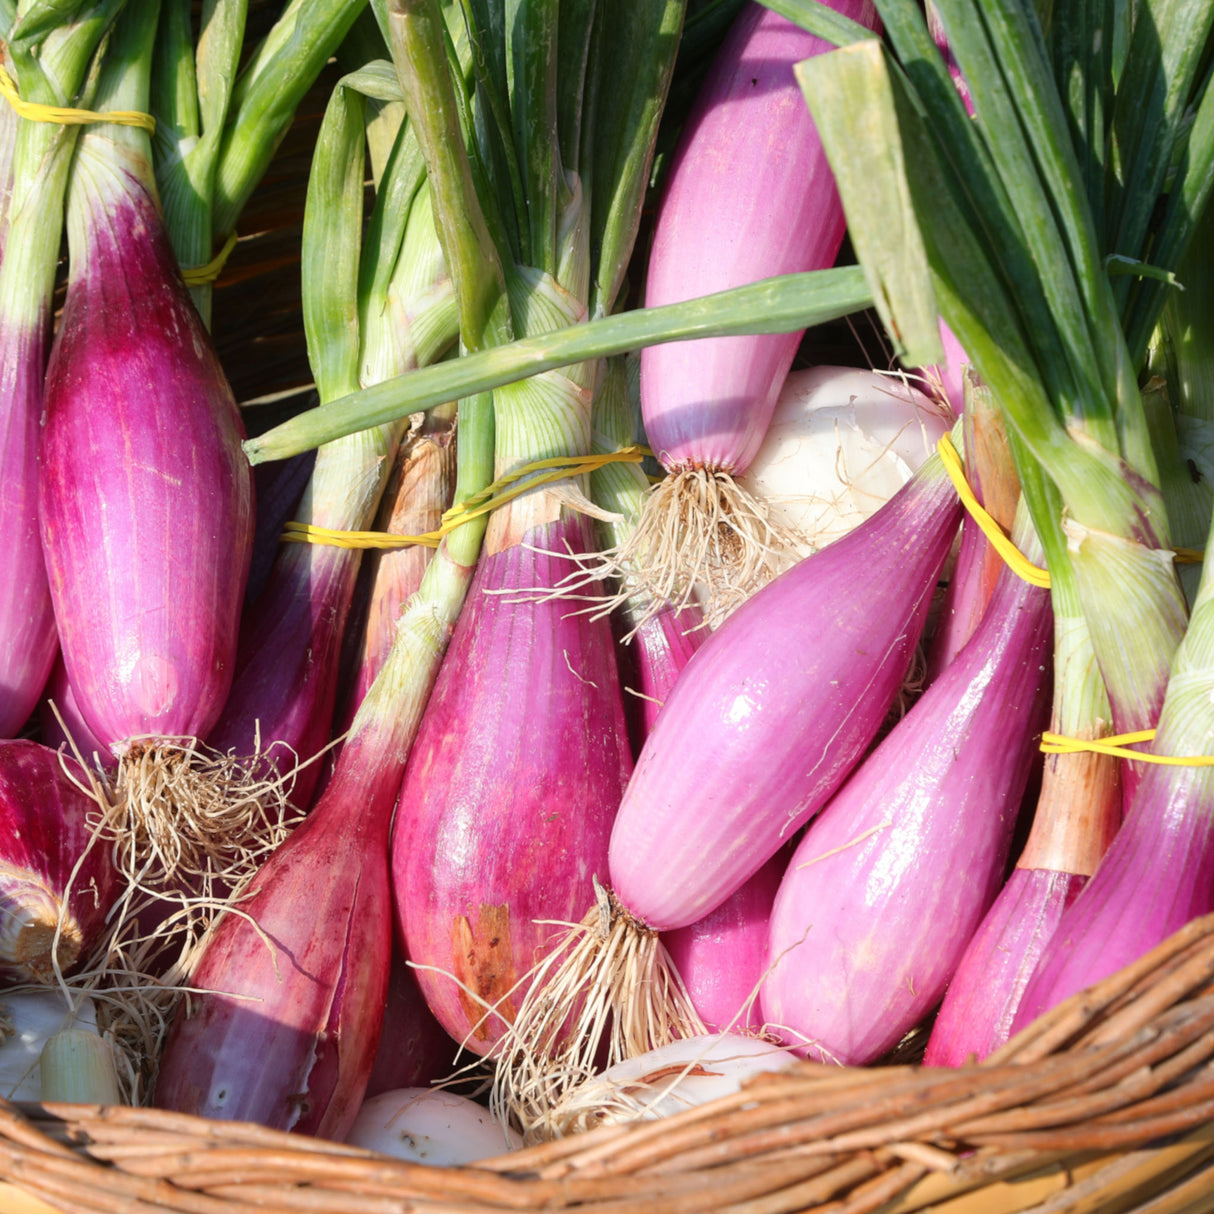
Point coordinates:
[(841, 442), (146, 500), (889, 884), (749, 194), (45, 829), (512, 786), (775, 709)]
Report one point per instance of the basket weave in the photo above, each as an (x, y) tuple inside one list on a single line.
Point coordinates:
[(1104, 1104)]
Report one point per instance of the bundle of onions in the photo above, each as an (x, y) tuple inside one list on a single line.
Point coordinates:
[(888, 885), (749, 194), (765, 723), (1078, 812), (296, 977), (145, 499), (1156, 874), (507, 803), (374, 307)]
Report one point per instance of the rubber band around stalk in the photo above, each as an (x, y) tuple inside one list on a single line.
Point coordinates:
[(605, 992)]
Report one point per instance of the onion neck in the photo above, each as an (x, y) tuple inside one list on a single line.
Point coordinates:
[(1079, 808)]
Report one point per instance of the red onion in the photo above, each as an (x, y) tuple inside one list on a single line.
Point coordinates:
[(749, 194), (1077, 815), (776, 708), (62, 723), (1158, 873), (888, 885), (145, 495), (296, 977), (722, 957), (414, 1049), (45, 832), (512, 786)]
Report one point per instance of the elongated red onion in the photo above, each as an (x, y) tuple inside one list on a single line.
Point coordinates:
[(508, 799), (419, 490), (776, 707), (1077, 815), (278, 486), (1158, 872), (888, 885), (749, 194), (62, 723), (991, 475), (296, 979), (414, 1049), (145, 496), (651, 661), (45, 832)]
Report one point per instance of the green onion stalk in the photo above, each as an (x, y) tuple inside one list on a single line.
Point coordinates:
[(1181, 402), (219, 122), (50, 56), (511, 790), (395, 313), (1005, 240)]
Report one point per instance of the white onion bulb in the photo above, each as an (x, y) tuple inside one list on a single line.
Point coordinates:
[(30, 1019), (681, 1075), (841, 443), (429, 1125)]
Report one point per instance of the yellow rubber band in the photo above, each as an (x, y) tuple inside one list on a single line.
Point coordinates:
[(65, 115), (1019, 563), (503, 490), (199, 276), (1118, 745)]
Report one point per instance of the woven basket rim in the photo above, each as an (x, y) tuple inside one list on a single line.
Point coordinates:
[(1102, 1103)]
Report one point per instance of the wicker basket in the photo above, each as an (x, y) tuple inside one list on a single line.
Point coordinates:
[(1104, 1104)]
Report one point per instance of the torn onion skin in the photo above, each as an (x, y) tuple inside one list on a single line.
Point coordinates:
[(511, 788)]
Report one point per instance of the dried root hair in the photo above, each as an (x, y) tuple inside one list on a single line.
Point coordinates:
[(609, 982), (187, 829)]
